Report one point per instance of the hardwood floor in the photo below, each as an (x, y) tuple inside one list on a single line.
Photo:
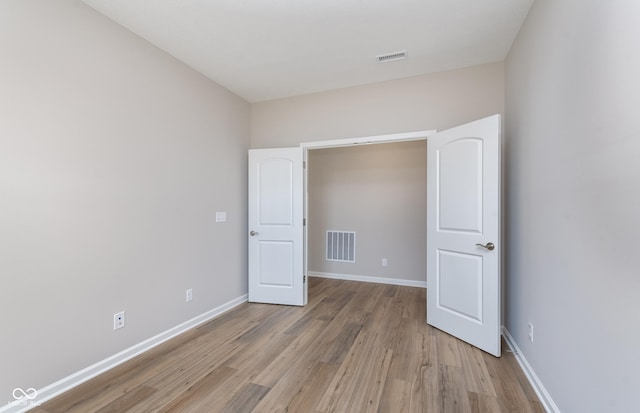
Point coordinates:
[(356, 347)]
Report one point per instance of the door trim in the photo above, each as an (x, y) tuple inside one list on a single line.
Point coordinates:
[(337, 143), (365, 140)]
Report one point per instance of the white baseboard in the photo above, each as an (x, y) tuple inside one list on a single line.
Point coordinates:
[(75, 379), (544, 396), (369, 279)]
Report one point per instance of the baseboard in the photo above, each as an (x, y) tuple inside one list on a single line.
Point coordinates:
[(69, 382), (369, 279), (544, 396)]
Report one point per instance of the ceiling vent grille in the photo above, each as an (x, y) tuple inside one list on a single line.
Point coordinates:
[(390, 57)]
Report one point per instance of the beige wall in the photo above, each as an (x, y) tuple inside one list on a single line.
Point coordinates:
[(114, 158), (378, 191), (573, 201), (436, 101)]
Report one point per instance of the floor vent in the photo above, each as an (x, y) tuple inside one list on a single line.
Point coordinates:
[(341, 246)]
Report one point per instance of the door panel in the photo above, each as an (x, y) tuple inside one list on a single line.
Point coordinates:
[(460, 281), (460, 184), (276, 226), (463, 214), (276, 263), (276, 191)]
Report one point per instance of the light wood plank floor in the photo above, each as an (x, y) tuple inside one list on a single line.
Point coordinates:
[(356, 347)]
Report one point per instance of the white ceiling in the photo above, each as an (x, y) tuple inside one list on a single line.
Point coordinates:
[(269, 49)]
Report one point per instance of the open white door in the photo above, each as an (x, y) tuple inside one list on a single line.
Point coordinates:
[(463, 228), (276, 226)]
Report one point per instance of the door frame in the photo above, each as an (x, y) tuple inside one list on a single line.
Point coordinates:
[(337, 143)]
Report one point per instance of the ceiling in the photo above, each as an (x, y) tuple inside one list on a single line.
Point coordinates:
[(270, 49)]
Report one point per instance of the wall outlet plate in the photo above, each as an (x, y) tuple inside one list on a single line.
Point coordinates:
[(118, 320), (189, 295)]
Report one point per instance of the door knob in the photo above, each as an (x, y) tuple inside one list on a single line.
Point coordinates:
[(254, 233), (490, 246)]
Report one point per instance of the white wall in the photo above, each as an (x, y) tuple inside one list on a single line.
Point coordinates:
[(114, 158), (378, 191), (573, 200)]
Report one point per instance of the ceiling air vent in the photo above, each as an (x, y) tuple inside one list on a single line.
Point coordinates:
[(390, 57)]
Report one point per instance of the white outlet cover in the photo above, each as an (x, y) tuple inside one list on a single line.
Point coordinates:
[(221, 217), (118, 320)]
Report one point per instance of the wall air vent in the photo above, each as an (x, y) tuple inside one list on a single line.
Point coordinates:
[(390, 57), (341, 246)]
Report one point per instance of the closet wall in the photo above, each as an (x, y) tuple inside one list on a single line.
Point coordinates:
[(379, 192)]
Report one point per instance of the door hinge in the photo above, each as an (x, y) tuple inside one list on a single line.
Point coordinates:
[(304, 222), (304, 164), (304, 279)]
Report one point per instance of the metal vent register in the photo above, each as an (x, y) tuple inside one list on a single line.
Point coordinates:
[(341, 246), (390, 57)]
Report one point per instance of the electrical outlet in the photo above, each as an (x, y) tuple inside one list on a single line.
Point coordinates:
[(118, 320), (385, 262), (531, 332), (189, 294)]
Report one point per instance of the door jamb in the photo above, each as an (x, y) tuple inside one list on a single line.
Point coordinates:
[(337, 143)]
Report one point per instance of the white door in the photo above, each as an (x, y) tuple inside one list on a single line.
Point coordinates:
[(276, 226), (463, 228)]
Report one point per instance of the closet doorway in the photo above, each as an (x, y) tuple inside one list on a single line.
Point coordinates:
[(463, 227)]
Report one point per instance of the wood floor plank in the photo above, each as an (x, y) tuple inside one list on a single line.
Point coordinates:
[(270, 341), (537, 407), (190, 367), (373, 387), (218, 397), (284, 317), (481, 403), (296, 353), (367, 296), (425, 385), (246, 399), (354, 383), (476, 375), (337, 347), (194, 398), (454, 397), (396, 397), (312, 389), (448, 351), (128, 400), (102, 390), (324, 310), (406, 353), (413, 302), (287, 382), (356, 347), (511, 395)]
